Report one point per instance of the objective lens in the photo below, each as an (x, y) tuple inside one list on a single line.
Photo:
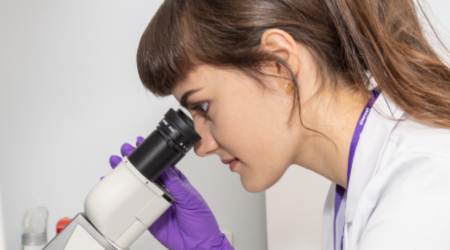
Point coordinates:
[(165, 146)]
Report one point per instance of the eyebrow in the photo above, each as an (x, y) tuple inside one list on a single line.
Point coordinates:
[(186, 95)]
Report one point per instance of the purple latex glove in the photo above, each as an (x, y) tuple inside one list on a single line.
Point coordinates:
[(188, 223)]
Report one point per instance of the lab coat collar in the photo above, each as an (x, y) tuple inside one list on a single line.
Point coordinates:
[(373, 139)]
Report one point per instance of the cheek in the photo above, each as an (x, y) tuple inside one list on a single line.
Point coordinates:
[(255, 134), (259, 137), (252, 124), (242, 132)]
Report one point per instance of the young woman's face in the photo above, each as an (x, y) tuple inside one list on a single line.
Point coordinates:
[(246, 124)]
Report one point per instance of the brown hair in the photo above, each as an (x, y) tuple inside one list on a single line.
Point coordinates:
[(348, 39)]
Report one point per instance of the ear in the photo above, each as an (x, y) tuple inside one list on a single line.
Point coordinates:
[(281, 44)]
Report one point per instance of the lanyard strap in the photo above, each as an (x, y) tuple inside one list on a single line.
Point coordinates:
[(340, 191)]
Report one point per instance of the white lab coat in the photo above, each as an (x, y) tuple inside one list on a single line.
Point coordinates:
[(399, 191)]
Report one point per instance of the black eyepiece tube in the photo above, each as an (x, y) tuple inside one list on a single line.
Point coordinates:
[(165, 146)]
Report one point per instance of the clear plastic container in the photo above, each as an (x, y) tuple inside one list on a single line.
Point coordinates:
[(34, 225)]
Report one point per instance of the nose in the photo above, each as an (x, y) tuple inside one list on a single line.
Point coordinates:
[(208, 144)]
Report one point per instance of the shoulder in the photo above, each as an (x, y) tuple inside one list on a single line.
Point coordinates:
[(415, 155), (400, 137), (410, 190), (412, 136)]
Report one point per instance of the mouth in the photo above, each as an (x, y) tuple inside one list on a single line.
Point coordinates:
[(232, 162)]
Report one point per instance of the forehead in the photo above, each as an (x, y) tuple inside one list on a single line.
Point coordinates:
[(199, 78), (208, 79)]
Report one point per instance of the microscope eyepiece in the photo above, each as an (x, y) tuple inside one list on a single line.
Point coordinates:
[(166, 146), (180, 129)]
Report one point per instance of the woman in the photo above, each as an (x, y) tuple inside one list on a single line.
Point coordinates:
[(272, 83)]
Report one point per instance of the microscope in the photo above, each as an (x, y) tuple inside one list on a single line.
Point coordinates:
[(129, 199)]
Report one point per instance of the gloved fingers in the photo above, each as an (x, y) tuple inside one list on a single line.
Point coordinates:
[(179, 173), (126, 149), (168, 176), (172, 174), (177, 187), (184, 193), (139, 140), (115, 160)]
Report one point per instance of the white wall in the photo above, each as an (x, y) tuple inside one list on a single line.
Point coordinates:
[(70, 96), (295, 203), (294, 210), (437, 12), (2, 229)]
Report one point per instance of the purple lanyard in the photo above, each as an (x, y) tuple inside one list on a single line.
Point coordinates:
[(340, 191)]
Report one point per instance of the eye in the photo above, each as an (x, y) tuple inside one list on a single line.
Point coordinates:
[(201, 107), (204, 106)]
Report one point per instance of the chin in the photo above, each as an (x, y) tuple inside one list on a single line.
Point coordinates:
[(259, 182), (253, 186)]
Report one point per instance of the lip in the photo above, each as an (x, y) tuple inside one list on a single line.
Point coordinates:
[(232, 162), (228, 161)]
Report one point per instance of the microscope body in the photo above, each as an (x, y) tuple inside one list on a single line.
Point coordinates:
[(117, 211), (125, 203), (128, 200)]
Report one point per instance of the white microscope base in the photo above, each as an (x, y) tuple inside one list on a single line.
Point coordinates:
[(79, 234), (81, 239)]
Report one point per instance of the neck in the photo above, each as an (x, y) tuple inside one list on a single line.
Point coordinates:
[(327, 152)]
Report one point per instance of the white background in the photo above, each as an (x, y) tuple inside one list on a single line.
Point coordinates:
[(70, 96), (298, 225)]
